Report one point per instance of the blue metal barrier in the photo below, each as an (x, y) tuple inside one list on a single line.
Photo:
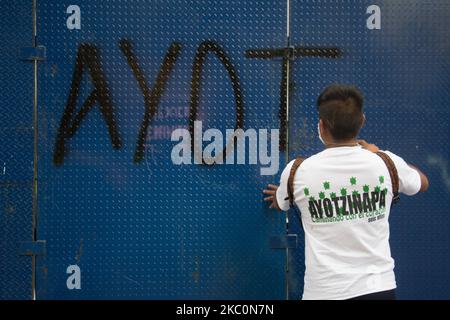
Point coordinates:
[(118, 219)]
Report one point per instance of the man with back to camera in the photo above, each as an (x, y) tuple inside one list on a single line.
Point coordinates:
[(344, 194)]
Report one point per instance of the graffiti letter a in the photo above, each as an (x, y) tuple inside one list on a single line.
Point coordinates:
[(87, 56)]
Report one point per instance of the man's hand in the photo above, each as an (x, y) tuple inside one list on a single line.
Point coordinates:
[(368, 146), (272, 191)]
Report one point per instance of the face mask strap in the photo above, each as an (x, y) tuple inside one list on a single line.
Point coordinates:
[(320, 136)]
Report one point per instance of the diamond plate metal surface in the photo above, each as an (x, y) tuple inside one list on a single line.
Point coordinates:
[(152, 229), (139, 226), (403, 69), (16, 156)]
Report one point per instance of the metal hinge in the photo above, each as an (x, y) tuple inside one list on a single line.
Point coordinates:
[(38, 53), (32, 248), (283, 241)]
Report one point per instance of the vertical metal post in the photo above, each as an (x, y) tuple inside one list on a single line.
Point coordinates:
[(35, 156), (288, 39)]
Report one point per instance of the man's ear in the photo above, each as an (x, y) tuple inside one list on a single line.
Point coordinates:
[(321, 124), (364, 120)]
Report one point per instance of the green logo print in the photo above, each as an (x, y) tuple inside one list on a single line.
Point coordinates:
[(354, 202)]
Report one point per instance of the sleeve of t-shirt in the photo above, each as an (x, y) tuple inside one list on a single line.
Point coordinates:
[(409, 178), (282, 193)]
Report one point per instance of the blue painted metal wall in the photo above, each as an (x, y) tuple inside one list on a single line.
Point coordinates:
[(153, 229), (16, 150), (156, 230)]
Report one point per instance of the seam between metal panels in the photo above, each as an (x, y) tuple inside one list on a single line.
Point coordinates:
[(288, 36), (35, 155)]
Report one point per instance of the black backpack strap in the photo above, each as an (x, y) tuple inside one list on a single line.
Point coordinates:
[(290, 184), (393, 173)]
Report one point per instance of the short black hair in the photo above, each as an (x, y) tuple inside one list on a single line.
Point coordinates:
[(341, 109)]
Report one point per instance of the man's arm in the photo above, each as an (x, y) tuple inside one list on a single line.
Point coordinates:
[(424, 183)]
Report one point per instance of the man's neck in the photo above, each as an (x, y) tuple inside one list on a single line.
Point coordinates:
[(346, 143)]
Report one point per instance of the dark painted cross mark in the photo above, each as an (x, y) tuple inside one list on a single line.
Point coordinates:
[(289, 53)]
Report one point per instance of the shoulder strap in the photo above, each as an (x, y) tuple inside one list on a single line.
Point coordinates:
[(290, 184), (393, 173)]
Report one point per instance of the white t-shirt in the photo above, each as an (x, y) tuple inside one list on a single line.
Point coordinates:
[(344, 195)]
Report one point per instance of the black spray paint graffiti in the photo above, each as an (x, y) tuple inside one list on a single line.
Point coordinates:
[(197, 67), (88, 56), (153, 97)]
